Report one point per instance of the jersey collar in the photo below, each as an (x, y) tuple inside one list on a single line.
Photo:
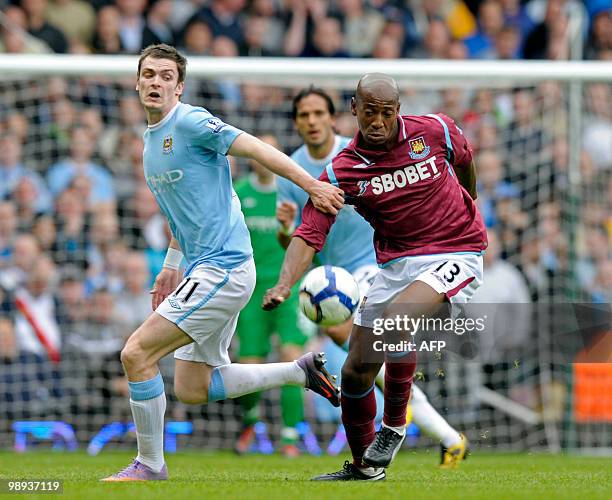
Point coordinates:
[(165, 118), (402, 133), (324, 161)]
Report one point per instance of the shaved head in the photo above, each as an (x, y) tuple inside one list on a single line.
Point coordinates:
[(376, 106), (378, 85)]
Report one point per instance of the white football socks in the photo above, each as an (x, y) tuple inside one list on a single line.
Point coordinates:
[(425, 416), (239, 379), (149, 419), (430, 421)]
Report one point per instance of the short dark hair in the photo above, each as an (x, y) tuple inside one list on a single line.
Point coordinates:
[(312, 90), (163, 51)]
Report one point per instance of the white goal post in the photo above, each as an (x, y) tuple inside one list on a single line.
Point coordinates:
[(320, 70)]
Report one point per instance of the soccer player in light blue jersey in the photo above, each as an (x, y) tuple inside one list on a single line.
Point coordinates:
[(349, 245), (186, 168)]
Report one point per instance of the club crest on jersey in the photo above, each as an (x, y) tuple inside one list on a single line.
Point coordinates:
[(167, 145), (363, 185), (418, 148)]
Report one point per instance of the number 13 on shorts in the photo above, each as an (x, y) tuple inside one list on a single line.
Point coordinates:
[(457, 277)]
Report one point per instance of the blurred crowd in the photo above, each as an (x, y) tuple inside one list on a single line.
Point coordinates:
[(392, 29), (81, 237)]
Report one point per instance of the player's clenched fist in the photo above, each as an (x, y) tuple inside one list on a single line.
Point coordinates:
[(325, 197), (165, 283), (275, 296), (285, 214)]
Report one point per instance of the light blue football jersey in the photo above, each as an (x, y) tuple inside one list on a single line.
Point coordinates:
[(350, 241), (186, 169)]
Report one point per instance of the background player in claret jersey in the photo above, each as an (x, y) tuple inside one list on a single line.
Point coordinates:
[(348, 245), (257, 193), (404, 174), (186, 168)]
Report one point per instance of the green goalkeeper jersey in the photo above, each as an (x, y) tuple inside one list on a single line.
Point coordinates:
[(259, 207)]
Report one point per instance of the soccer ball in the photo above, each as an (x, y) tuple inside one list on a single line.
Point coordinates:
[(329, 295)]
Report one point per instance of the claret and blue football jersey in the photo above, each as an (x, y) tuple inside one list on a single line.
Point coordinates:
[(409, 194)]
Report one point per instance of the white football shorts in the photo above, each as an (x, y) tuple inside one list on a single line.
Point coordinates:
[(205, 306), (457, 275), (364, 276)]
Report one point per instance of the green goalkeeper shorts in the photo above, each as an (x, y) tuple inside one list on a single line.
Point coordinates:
[(256, 326)]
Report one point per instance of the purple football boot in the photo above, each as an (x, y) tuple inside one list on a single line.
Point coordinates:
[(138, 472)]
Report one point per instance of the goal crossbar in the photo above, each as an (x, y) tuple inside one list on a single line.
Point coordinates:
[(324, 70)]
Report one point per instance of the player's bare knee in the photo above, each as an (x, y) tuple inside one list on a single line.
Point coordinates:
[(132, 356)]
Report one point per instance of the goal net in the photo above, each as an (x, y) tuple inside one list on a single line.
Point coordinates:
[(78, 254)]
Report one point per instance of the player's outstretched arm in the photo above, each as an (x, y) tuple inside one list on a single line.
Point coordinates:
[(168, 278), (467, 178), (297, 259), (325, 197)]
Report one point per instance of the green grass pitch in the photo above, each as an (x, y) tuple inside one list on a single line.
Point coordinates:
[(223, 476)]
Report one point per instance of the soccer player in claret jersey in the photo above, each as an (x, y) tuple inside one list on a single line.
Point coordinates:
[(186, 168), (348, 245), (413, 179)]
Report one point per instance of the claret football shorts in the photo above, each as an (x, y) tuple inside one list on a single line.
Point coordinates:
[(205, 306), (457, 275)]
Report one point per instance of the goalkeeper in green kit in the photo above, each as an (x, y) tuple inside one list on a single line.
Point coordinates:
[(257, 193)]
